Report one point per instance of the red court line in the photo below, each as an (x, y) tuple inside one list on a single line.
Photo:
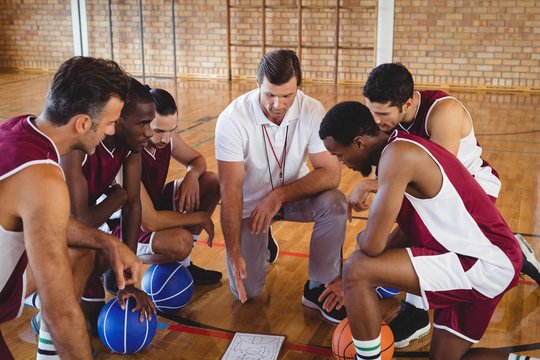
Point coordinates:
[(281, 252), (306, 255), (225, 335)]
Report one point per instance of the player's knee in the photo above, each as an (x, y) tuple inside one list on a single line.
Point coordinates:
[(210, 182), (356, 269), (183, 246)]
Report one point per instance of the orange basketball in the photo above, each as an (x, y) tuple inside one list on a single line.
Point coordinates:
[(343, 347)]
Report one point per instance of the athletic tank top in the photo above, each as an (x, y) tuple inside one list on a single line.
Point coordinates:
[(462, 219), (22, 145), (101, 167), (469, 152), (154, 171)]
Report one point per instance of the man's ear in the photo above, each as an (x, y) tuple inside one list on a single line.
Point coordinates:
[(407, 105), (358, 141), (82, 123)]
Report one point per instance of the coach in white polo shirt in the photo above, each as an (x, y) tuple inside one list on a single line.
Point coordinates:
[(263, 140)]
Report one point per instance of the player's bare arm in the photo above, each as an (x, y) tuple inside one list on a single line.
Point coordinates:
[(448, 123), (131, 211), (196, 166), (231, 179), (156, 220), (45, 218), (92, 216), (126, 265)]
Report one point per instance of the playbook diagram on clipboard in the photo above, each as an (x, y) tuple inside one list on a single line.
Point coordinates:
[(245, 346)]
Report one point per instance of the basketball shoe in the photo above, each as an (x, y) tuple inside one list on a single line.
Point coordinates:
[(202, 276), (273, 247), (35, 322), (531, 266), (410, 324), (311, 300)]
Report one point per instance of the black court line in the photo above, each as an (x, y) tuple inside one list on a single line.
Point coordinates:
[(198, 122)]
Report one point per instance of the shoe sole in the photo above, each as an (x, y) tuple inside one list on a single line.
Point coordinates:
[(314, 306), (35, 323), (418, 334)]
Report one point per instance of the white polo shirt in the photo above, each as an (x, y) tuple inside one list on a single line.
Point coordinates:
[(240, 136)]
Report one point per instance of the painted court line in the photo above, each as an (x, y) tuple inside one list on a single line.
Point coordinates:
[(317, 350)]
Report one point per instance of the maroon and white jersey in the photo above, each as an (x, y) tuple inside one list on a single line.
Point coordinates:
[(21, 145), (469, 152), (463, 224), (155, 166), (101, 168)]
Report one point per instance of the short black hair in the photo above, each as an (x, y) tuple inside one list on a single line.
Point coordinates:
[(84, 85), (279, 66), (347, 120), (165, 104), (138, 94), (391, 83)]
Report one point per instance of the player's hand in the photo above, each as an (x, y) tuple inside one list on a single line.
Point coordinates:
[(261, 217), (333, 295), (238, 267), (189, 196), (125, 264), (208, 225), (144, 304), (358, 199)]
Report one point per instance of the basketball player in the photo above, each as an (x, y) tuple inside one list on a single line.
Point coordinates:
[(452, 246), (434, 115), (84, 102), (263, 139), (91, 176), (174, 214)]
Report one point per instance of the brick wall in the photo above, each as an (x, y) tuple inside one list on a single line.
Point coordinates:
[(35, 34), (470, 43), (481, 44)]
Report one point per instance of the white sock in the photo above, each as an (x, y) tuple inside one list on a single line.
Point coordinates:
[(195, 238), (520, 357), (368, 349), (186, 261), (33, 301), (415, 300), (46, 349)]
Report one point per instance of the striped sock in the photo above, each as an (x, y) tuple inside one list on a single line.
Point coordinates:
[(33, 301), (46, 349), (368, 349), (520, 357)]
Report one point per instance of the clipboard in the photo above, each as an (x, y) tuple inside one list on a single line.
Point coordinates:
[(248, 346)]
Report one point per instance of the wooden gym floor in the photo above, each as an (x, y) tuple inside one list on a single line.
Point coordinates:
[(507, 126)]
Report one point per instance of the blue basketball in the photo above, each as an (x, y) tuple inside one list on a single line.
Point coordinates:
[(121, 331), (170, 286), (386, 292)]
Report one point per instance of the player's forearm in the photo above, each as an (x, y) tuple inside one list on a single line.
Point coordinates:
[(131, 223), (197, 166), (81, 235), (67, 326), (165, 219), (313, 183)]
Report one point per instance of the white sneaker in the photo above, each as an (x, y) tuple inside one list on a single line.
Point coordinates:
[(531, 266)]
